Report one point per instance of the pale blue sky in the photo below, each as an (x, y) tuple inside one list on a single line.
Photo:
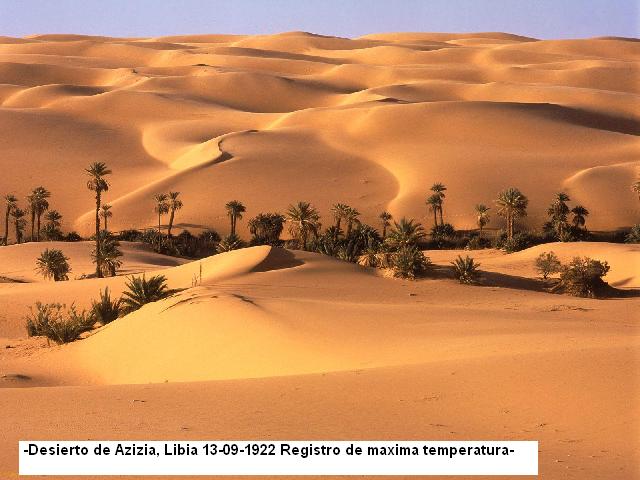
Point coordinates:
[(349, 18)]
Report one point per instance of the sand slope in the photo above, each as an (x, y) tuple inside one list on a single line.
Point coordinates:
[(374, 120), (300, 345)]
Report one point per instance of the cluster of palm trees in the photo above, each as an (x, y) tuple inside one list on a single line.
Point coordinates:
[(167, 203), (37, 206)]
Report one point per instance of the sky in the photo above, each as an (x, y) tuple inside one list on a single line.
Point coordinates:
[(346, 18)]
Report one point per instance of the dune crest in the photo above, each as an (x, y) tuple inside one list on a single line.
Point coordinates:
[(397, 110)]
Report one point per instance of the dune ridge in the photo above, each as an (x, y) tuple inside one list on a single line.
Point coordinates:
[(422, 103)]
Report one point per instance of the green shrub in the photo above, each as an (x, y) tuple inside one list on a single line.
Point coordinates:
[(228, 243), (105, 310), (408, 262), (72, 237), (547, 263), (52, 264), (57, 323), (142, 291), (520, 241), (582, 277), (466, 269)]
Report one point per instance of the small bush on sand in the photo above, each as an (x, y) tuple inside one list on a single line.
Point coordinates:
[(408, 262), (582, 277), (547, 263), (105, 310), (52, 264), (142, 291), (228, 243), (466, 269), (57, 323)]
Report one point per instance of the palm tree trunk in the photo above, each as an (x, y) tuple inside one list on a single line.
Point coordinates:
[(510, 226), (170, 222), (105, 224), (304, 239), (480, 236), (441, 221), (18, 236), (38, 225), (33, 221), (6, 227), (384, 230), (435, 216), (98, 258), (233, 224)]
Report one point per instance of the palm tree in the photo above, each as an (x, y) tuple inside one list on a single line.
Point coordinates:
[(512, 204), (304, 220), (106, 214), (162, 207), (579, 216), (174, 204), (482, 216), (439, 189), (52, 227), (266, 228), (434, 201), (19, 222), (97, 183), (235, 209), (635, 187), (558, 212), (385, 218), (405, 233), (53, 264), (142, 291), (41, 205), (339, 211), (107, 256), (11, 202), (351, 216)]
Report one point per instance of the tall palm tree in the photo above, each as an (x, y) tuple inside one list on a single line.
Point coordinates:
[(385, 218), (434, 201), (11, 202), (235, 209), (162, 207), (580, 214), (174, 204), (108, 254), (558, 212), (635, 187), (106, 214), (303, 219), (41, 206), (52, 227), (339, 211), (98, 184), (19, 222), (512, 204), (405, 233), (439, 189), (351, 216), (482, 216)]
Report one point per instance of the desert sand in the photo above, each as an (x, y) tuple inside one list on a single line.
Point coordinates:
[(279, 344), (371, 122)]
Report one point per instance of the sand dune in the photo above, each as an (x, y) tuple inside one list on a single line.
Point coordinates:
[(567, 109), (367, 357), (285, 344)]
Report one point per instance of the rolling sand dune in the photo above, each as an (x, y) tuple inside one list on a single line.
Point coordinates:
[(297, 328), (268, 343), (398, 111)]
